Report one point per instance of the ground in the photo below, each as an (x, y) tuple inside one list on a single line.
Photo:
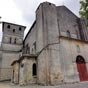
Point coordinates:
[(75, 85)]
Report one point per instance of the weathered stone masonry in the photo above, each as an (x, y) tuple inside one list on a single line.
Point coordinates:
[(55, 50)]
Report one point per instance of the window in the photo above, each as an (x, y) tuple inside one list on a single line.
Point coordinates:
[(27, 49), (34, 70), (20, 28), (15, 41), (22, 65), (24, 49), (49, 3), (77, 34), (10, 40), (34, 46), (8, 26), (32, 50), (68, 33), (13, 30)]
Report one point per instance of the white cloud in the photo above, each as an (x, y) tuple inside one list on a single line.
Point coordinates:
[(9, 11)]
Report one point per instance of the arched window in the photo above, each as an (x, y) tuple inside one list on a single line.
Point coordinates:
[(15, 41), (27, 48), (10, 40), (8, 26), (20, 28), (68, 33), (22, 65), (13, 30), (34, 70), (34, 44), (77, 34)]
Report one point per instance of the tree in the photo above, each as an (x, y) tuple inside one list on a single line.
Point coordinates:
[(84, 9)]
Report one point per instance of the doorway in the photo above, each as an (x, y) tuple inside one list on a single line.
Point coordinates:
[(81, 66)]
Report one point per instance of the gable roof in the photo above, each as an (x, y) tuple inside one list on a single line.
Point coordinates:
[(13, 24), (64, 7)]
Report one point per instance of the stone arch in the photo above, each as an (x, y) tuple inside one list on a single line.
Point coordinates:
[(81, 67), (80, 59)]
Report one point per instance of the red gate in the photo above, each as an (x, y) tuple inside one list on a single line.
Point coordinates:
[(81, 66)]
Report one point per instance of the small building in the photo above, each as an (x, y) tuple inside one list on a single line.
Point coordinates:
[(27, 65)]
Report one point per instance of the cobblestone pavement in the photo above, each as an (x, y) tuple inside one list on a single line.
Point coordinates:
[(75, 85)]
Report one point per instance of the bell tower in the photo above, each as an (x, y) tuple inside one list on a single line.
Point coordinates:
[(12, 36), (12, 42)]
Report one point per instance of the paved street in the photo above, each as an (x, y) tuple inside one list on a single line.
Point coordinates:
[(75, 85)]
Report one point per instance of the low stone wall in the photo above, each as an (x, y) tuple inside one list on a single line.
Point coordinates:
[(5, 74)]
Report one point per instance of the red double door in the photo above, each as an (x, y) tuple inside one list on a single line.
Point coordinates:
[(83, 74)]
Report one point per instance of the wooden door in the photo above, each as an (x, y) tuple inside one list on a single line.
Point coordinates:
[(81, 66), (83, 75)]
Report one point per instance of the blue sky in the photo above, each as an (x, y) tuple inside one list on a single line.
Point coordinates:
[(23, 11)]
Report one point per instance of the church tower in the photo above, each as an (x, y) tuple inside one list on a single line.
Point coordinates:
[(12, 42)]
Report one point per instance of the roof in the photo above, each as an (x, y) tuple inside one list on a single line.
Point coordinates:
[(28, 56), (22, 57), (13, 24), (29, 30), (62, 6), (35, 20)]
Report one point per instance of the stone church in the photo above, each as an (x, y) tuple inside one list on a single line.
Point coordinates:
[(54, 51)]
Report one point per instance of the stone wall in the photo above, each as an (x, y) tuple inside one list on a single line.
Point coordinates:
[(69, 50), (15, 73), (51, 23), (31, 39), (48, 44), (67, 21), (7, 59), (5, 74), (26, 71)]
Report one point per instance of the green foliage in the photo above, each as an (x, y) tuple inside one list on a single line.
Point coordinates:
[(84, 9)]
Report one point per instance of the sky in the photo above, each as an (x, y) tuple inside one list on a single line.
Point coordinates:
[(23, 11)]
